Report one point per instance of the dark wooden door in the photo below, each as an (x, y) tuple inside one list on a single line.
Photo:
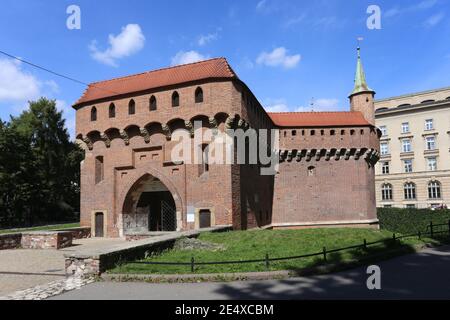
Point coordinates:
[(99, 225), (205, 219)]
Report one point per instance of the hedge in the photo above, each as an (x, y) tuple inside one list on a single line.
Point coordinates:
[(407, 221)]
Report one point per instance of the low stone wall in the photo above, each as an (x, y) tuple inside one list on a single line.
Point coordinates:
[(10, 241), (79, 233), (46, 240), (94, 262)]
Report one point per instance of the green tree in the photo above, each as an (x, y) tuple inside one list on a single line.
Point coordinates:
[(39, 166)]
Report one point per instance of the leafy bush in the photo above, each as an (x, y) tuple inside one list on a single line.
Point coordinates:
[(409, 221)]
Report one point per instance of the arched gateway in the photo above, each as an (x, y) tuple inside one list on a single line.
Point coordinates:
[(150, 205)]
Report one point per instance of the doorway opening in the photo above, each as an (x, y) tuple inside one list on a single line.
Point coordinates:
[(160, 210), (149, 206), (99, 225), (205, 218)]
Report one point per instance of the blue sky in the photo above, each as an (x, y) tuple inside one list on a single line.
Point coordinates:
[(287, 52)]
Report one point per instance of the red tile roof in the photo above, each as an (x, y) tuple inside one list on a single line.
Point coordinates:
[(318, 119), (217, 68)]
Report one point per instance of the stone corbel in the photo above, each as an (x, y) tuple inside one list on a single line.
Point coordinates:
[(348, 153), (166, 131), (190, 127), (126, 138), (338, 155), (145, 134), (229, 123), (309, 155), (106, 139), (327, 155), (213, 123), (290, 155), (321, 153), (357, 154), (88, 142)]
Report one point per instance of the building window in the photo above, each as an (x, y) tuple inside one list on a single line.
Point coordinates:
[(434, 190), (430, 143), (204, 166), (410, 191), (311, 171), (99, 170), (406, 145), (131, 107), (313, 132), (386, 191), (153, 104), (410, 206), (383, 130), (407, 166), (432, 164), (405, 127), (429, 124), (342, 132), (94, 114), (294, 133), (385, 167), (112, 110), (384, 148), (332, 132), (175, 99), (199, 95)]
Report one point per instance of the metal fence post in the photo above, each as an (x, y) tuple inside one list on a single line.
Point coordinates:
[(192, 264), (393, 237), (431, 229), (324, 254), (420, 235), (267, 261), (365, 244)]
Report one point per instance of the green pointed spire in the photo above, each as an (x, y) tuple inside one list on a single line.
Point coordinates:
[(360, 78)]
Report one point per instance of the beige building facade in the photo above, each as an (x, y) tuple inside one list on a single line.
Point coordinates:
[(414, 169)]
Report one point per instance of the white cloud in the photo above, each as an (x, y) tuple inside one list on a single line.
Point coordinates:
[(185, 57), (327, 104), (434, 20), (205, 39), (426, 4), (130, 41), (423, 5), (16, 85), (278, 57), (320, 105), (391, 12), (294, 21), (261, 5), (277, 107)]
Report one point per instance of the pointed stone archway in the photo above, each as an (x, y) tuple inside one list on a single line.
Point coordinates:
[(149, 202)]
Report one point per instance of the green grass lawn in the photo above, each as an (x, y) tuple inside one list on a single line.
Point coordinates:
[(41, 228), (255, 244)]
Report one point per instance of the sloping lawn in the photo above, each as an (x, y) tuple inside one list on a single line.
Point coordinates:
[(49, 228), (255, 244)]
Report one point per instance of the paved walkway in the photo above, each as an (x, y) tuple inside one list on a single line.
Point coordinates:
[(423, 275), (23, 269)]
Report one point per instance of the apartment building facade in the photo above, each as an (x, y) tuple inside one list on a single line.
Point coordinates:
[(414, 169)]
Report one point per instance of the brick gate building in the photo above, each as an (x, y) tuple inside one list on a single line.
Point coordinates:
[(131, 185)]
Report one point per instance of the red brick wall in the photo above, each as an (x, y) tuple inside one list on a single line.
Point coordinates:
[(237, 194)]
